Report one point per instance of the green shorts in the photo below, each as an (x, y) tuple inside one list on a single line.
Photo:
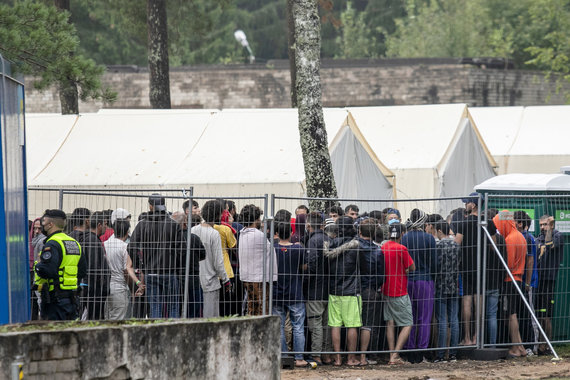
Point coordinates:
[(399, 310), (345, 311)]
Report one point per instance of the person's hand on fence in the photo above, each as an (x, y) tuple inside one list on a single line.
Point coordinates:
[(140, 288), (228, 286)]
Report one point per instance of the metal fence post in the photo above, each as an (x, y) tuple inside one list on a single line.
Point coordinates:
[(483, 297), (478, 272), (271, 219), (61, 199), (265, 252), (187, 265)]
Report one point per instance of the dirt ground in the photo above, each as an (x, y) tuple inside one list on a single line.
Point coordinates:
[(536, 367)]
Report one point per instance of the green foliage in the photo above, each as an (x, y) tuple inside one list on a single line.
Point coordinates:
[(520, 30), (441, 29), (199, 31), (355, 41), (534, 34), (552, 53), (39, 41)]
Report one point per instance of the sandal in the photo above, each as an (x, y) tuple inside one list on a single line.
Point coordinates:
[(398, 361)]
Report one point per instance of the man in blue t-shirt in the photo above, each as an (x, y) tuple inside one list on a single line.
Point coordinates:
[(288, 293)]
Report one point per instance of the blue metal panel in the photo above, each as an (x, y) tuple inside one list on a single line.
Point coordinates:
[(14, 254), (4, 289)]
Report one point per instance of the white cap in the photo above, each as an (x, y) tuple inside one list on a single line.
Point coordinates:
[(119, 213)]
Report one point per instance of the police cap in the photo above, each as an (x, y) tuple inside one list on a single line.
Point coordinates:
[(55, 213)]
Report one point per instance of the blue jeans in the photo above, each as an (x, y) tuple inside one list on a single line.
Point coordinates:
[(195, 300), (491, 307), (446, 311), (163, 294), (297, 316)]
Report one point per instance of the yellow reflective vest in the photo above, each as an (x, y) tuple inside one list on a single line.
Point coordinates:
[(68, 269)]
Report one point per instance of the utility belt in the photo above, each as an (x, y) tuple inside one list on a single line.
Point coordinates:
[(56, 295)]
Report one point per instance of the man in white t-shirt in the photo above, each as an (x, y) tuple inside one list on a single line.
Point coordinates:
[(212, 267), (119, 299)]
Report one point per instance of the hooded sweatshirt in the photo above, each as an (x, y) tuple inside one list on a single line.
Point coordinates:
[(516, 246), (343, 257), (250, 253)]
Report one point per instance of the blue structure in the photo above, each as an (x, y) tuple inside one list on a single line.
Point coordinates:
[(14, 247)]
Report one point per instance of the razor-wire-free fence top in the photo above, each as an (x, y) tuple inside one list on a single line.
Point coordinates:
[(304, 266)]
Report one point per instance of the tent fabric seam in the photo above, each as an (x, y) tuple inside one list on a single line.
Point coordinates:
[(59, 148)]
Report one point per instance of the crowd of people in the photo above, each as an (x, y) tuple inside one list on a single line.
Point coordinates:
[(340, 280)]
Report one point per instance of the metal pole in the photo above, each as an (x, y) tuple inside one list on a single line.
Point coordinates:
[(187, 267), (61, 199), (521, 294), (272, 235), (478, 273), (264, 277), (481, 331)]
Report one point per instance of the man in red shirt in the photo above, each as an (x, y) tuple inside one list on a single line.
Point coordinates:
[(516, 254), (398, 308)]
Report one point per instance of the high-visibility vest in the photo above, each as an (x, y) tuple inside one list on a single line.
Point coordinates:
[(68, 269)]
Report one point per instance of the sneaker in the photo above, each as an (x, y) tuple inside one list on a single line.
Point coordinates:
[(439, 360), (529, 352), (452, 358)]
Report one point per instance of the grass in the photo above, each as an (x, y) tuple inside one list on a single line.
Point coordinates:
[(62, 325)]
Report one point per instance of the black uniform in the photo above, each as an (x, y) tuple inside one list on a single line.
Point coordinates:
[(57, 304)]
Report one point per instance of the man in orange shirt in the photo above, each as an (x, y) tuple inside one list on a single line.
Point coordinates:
[(516, 253)]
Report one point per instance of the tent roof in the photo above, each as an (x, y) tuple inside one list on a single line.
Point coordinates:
[(250, 146), (45, 133), (499, 126), (351, 124), (144, 147), (524, 131), (122, 148), (410, 137), (544, 130), (527, 182)]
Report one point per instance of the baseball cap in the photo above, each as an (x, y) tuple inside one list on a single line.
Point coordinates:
[(472, 198), (329, 222), (157, 201), (119, 213)]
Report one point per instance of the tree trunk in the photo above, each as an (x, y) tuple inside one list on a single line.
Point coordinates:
[(291, 51), (314, 145), (158, 54), (68, 98), (68, 95)]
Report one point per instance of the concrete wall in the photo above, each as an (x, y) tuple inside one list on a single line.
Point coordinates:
[(345, 83), (241, 348)]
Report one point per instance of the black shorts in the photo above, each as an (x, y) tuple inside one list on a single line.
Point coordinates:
[(469, 281), (545, 298), (371, 309), (512, 297)]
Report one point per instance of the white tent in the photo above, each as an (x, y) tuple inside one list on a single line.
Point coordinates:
[(42, 142), (220, 153), (434, 151), (526, 139)]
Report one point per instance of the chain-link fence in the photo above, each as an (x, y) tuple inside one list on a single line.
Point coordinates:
[(357, 277)]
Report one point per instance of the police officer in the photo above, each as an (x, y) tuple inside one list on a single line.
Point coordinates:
[(60, 266)]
